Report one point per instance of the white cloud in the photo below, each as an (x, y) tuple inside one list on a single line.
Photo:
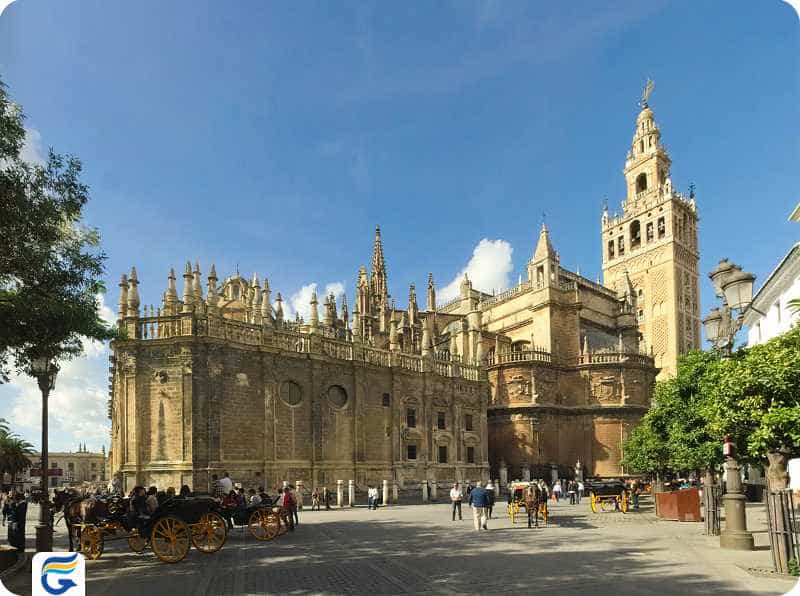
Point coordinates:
[(32, 148), (300, 301), (78, 405), (488, 269)]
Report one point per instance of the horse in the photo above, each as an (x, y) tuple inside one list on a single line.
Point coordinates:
[(78, 510), (534, 498)]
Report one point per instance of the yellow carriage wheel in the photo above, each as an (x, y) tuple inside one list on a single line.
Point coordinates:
[(209, 534), (264, 525), (593, 499), (623, 502), (136, 542), (170, 539), (92, 542)]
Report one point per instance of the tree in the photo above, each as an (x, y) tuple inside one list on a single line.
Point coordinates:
[(14, 453), (757, 396), (675, 434), (51, 264)]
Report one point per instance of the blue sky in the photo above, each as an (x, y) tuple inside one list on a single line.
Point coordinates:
[(276, 135)]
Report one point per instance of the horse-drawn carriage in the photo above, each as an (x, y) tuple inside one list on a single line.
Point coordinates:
[(608, 494), (176, 525), (171, 530), (528, 496)]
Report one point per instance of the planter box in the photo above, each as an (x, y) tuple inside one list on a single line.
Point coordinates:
[(679, 505)]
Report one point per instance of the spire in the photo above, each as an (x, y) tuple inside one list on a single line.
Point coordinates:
[(212, 287), (133, 295), (187, 287), (123, 296), (197, 288), (431, 294), (379, 283), (279, 309), (345, 315), (266, 306), (256, 302), (413, 309), (171, 295), (314, 316), (544, 248)]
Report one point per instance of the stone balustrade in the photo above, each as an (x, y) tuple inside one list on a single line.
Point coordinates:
[(286, 339)]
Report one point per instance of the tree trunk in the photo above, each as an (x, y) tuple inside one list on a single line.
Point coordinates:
[(777, 476)]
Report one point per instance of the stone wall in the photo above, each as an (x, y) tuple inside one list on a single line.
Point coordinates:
[(186, 408)]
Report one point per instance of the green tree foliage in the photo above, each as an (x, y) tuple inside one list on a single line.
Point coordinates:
[(674, 434), (756, 396), (50, 264), (14, 452), (753, 396)]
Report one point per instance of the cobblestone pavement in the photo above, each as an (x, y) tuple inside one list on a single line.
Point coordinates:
[(417, 549)]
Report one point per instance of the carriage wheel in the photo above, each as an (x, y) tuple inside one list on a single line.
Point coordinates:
[(209, 534), (623, 502), (136, 542), (264, 525), (170, 539), (91, 542), (593, 498)]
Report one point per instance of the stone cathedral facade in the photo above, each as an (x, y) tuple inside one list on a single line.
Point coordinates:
[(550, 372)]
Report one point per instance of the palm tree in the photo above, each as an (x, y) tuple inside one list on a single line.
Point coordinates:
[(795, 305), (14, 453)]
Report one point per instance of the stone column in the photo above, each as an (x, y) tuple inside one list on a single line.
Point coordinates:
[(339, 493), (385, 493), (496, 487), (503, 473), (395, 493), (298, 485), (735, 535), (433, 490), (351, 492), (424, 491)]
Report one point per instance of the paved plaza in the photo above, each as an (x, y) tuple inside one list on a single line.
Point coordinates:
[(417, 549)]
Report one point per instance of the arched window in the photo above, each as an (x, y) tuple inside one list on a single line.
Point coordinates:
[(520, 346), (636, 234), (641, 182), (234, 292), (291, 393)]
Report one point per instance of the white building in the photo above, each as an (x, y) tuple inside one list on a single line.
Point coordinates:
[(770, 314)]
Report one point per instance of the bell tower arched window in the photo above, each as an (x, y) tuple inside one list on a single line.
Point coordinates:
[(641, 182), (636, 234)]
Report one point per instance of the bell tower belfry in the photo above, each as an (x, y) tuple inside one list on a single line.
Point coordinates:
[(653, 245)]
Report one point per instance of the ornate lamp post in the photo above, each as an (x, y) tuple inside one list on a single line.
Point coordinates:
[(45, 372), (734, 288)]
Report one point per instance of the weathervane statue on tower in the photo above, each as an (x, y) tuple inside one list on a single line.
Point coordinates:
[(648, 90)]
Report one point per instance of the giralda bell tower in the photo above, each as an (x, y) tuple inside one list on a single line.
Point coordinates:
[(652, 248)]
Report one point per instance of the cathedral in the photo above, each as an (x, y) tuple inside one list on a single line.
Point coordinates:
[(525, 383)]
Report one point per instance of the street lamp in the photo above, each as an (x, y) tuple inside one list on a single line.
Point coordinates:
[(734, 288), (45, 372)]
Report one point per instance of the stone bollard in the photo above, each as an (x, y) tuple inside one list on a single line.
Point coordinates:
[(339, 493), (351, 492), (395, 493), (424, 491), (497, 488), (433, 490), (285, 484), (385, 494), (298, 491)]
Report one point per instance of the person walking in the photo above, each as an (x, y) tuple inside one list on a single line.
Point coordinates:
[(456, 497), (315, 499), (226, 484), (370, 497), (326, 494), (572, 491), (580, 491), (557, 491), (490, 491), (479, 500)]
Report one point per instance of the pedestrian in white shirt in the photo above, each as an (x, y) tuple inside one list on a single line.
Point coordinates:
[(455, 498)]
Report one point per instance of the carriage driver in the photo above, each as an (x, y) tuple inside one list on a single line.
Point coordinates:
[(139, 511)]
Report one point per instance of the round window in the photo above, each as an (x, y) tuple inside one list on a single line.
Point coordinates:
[(337, 396), (291, 393)]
